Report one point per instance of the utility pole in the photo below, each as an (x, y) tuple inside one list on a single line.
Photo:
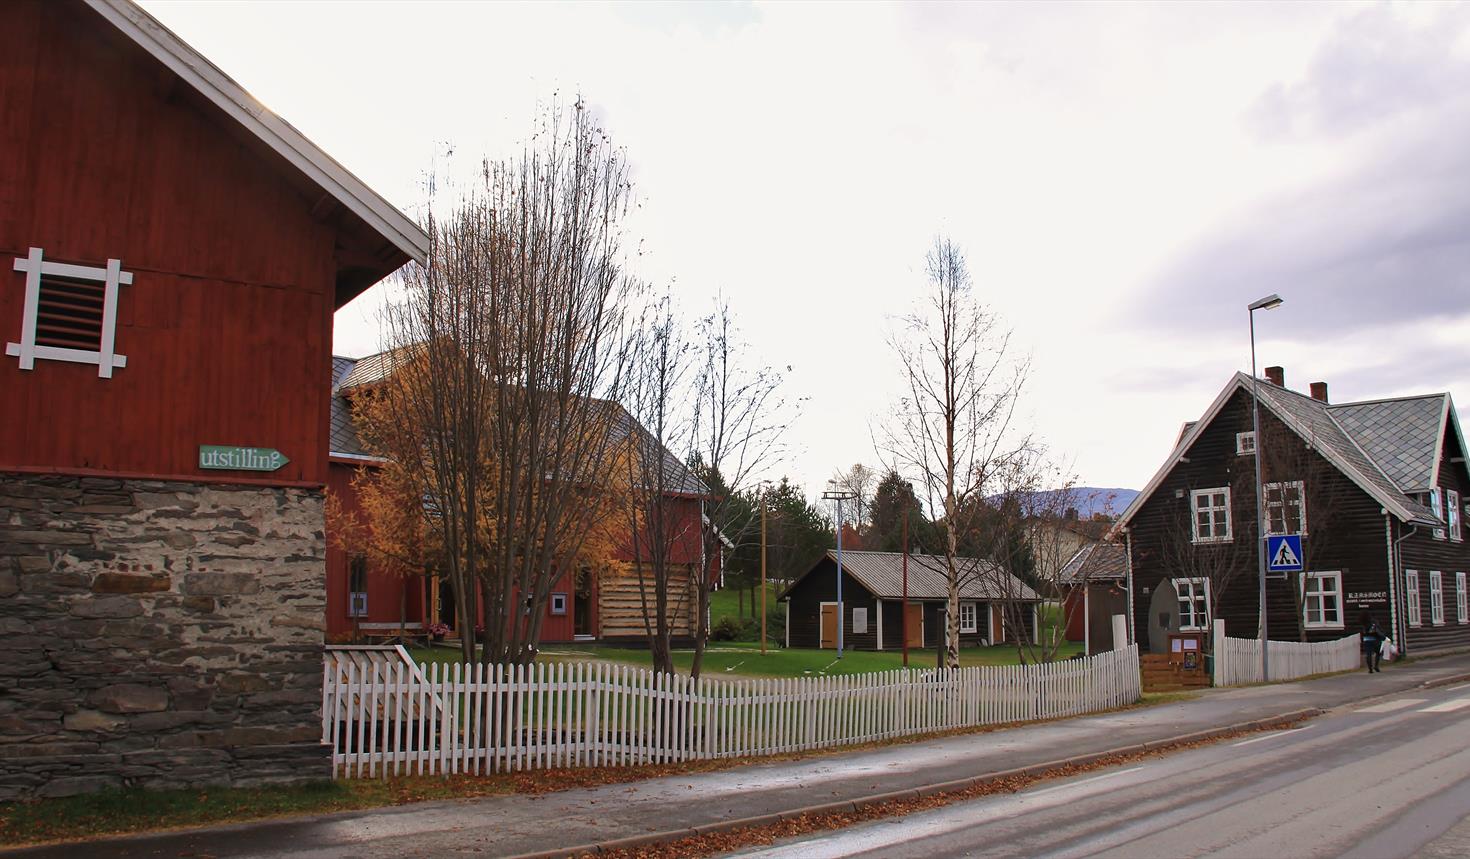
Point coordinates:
[(905, 616), (1270, 302), (763, 571)]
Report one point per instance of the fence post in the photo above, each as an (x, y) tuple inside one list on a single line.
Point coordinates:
[(1218, 676)]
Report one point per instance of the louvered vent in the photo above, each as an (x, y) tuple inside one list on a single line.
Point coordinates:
[(69, 314)]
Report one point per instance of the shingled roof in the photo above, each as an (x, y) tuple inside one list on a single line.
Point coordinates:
[(1095, 562), (1389, 448), (349, 374), (882, 574)]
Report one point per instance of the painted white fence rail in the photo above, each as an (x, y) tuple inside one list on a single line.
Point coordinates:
[(385, 717), (1238, 660)]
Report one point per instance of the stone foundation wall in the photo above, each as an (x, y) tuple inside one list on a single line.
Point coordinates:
[(158, 634)]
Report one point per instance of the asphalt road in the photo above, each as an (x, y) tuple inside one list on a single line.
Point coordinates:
[(1386, 779)]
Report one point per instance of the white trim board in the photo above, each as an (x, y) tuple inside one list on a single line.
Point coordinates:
[(222, 91)]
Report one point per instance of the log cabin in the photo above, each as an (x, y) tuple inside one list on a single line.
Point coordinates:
[(173, 255), (1376, 488)]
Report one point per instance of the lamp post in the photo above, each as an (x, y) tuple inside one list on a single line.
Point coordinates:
[(838, 495), (1270, 302)]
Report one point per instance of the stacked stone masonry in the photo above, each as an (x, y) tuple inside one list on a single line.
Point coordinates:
[(158, 635)]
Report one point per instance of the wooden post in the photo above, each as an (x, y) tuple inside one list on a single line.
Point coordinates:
[(763, 573), (905, 609)]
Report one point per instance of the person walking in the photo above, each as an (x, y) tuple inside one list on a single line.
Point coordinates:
[(1373, 637)]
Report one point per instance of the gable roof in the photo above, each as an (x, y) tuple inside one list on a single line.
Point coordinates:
[(1316, 423), (1095, 562), (280, 136), (1402, 435), (342, 438), (351, 373), (882, 574)]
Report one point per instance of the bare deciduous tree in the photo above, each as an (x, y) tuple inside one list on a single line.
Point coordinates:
[(510, 328), (952, 428)]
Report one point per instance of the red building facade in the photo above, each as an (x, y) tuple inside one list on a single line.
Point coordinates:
[(171, 255)]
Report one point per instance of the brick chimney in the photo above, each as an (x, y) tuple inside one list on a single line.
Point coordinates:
[(1276, 376), (1319, 391)]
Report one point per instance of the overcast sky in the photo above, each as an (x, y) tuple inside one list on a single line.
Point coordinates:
[(1124, 179)]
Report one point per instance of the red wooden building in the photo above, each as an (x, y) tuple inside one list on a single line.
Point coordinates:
[(172, 254), (366, 602)]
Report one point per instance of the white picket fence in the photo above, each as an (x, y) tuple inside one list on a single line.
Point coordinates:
[(382, 718), (1238, 660)]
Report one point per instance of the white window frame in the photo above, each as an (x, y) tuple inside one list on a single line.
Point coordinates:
[(1194, 511), (557, 605), (1436, 598), (1462, 611), (111, 277), (1452, 510), (971, 625), (1198, 590), (1245, 443), (1301, 506), (1322, 594), (1436, 504), (1411, 590)]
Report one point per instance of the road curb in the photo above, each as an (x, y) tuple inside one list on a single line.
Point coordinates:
[(1445, 681), (855, 805)]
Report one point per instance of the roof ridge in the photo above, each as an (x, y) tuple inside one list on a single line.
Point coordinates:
[(1402, 399)]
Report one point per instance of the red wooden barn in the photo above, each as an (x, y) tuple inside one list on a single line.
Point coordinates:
[(365, 602), (172, 253)]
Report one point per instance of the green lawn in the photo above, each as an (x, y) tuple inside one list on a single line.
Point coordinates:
[(729, 602), (744, 659)]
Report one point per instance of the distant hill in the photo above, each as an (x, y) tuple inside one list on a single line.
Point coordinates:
[(1095, 499)]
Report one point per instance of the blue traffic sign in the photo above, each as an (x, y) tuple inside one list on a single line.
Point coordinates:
[(1284, 553)]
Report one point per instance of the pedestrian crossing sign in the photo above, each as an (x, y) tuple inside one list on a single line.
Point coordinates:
[(1284, 553)]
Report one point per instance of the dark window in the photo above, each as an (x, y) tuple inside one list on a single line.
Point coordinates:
[(69, 314), (357, 587)]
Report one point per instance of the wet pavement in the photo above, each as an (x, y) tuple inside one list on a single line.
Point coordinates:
[(512, 825)]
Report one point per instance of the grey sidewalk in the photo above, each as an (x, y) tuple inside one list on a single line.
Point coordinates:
[(510, 825)]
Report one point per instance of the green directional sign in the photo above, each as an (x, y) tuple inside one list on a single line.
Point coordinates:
[(230, 458)]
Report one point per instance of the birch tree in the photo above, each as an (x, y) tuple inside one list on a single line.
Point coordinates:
[(952, 428)]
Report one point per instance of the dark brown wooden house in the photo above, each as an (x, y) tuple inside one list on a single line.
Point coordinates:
[(873, 593), (1376, 488), (172, 256)]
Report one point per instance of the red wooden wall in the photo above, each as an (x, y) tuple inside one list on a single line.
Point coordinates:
[(227, 325), (389, 593)]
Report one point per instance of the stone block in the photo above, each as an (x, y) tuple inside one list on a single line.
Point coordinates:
[(76, 785), (9, 583), (46, 538), (131, 583), (92, 720), (221, 584), (203, 605), (130, 698), (107, 607), (34, 564), (163, 501)]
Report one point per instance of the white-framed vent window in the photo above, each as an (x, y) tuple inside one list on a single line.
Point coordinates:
[(69, 313), (1211, 514), (558, 603), (1411, 588), (1462, 611), (1245, 443), (969, 618), (1436, 504), (357, 602), (1322, 600), (1286, 508), (1452, 508), (1194, 603), (1436, 598), (859, 621)]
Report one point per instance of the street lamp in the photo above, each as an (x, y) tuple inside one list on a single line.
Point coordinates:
[(1270, 302), (838, 495)]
